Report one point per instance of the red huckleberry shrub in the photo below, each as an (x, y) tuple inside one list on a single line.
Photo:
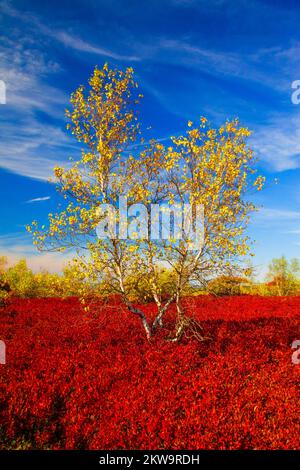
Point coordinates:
[(77, 381)]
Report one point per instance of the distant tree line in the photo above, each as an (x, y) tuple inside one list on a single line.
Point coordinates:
[(18, 280)]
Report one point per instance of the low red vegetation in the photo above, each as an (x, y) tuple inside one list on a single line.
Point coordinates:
[(75, 382)]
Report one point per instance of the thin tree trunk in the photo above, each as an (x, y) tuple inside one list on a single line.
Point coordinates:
[(161, 311), (142, 317), (131, 308), (158, 318), (180, 318)]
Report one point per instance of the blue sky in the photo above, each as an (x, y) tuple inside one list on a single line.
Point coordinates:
[(217, 58)]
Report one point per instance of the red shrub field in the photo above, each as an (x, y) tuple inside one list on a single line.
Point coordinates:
[(72, 381)]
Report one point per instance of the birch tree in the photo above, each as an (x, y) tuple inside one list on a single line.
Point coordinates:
[(206, 168)]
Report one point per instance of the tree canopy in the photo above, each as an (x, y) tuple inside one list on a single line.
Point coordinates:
[(209, 170)]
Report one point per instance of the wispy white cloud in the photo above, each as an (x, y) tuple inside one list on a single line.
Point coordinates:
[(28, 147), (83, 46), (270, 213), (222, 63), (66, 38), (35, 149), (19, 245), (38, 199), (24, 69), (180, 51), (278, 220), (277, 142)]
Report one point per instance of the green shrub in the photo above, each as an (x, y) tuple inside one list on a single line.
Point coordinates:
[(229, 285)]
